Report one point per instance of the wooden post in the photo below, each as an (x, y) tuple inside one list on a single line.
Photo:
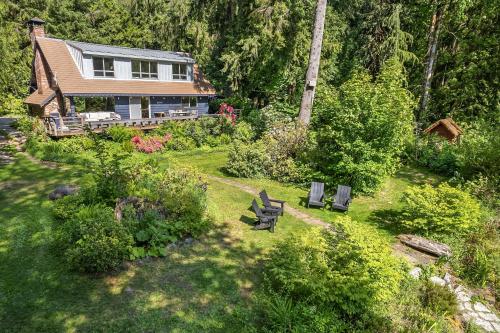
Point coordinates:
[(314, 61), (72, 109)]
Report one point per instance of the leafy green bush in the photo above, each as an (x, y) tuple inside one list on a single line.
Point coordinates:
[(10, 104), (67, 207), (93, 241), (243, 132), (278, 155), (473, 161), (437, 154), (73, 150), (351, 270), (418, 308), (442, 209), (363, 128), (476, 255), (438, 299), (264, 119), (172, 206), (247, 160), (181, 143), (278, 313), (121, 133), (286, 147)]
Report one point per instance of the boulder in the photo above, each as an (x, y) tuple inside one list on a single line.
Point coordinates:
[(416, 272), (62, 191), (437, 280)]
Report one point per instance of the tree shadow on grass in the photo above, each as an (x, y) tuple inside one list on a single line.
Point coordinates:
[(195, 288), (418, 176), (387, 219)]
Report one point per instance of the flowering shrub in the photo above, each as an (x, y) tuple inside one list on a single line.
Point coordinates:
[(227, 111), (151, 144)]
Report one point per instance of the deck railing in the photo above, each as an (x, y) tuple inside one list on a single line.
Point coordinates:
[(68, 126)]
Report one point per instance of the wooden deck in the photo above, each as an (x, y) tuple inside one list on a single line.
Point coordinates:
[(76, 126)]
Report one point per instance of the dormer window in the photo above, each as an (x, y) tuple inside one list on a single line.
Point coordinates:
[(179, 71), (103, 67), (142, 69)]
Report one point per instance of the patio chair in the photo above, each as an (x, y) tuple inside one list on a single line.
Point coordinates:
[(264, 220), (316, 195), (342, 198), (268, 203)]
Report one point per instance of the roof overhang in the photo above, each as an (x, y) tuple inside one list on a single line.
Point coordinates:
[(116, 55), (40, 99), (136, 95)]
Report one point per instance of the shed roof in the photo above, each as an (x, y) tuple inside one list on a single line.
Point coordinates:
[(120, 51), (72, 83), (448, 123)]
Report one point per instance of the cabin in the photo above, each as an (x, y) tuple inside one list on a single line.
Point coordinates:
[(445, 128), (136, 87)]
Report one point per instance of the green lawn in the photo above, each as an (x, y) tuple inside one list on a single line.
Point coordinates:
[(370, 210), (193, 289)]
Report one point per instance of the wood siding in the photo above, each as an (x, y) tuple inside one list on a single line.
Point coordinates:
[(159, 104), (163, 104), (122, 107), (77, 57), (123, 69)]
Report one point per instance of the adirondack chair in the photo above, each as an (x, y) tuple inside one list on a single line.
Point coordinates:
[(316, 195), (342, 198), (268, 203), (265, 220)]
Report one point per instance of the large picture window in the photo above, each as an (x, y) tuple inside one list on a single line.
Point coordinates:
[(189, 102), (142, 69), (179, 71), (103, 67)]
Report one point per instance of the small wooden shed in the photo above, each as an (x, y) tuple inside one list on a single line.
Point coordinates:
[(446, 128)]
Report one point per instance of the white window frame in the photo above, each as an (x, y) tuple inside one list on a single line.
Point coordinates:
[(142, 73), (180, 76), (190, 101), (104, 70)]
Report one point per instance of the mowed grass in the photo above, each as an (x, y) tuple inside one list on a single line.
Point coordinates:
[(375, 211), (194, 289)]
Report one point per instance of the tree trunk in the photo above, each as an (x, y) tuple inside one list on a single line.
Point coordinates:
[(314, 60), (432, 51)]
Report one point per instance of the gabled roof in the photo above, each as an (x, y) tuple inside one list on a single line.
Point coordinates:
[(40, 98), (448, 123), (128, 52), (71, 83)]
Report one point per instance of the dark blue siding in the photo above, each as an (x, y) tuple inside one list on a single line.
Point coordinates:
[(122, 107), (165, 103)]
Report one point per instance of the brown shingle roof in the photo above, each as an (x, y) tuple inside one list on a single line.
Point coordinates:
[(449, 124), (71, 82), (37, 98)]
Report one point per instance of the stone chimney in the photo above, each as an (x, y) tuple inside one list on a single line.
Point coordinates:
[(36, 29), (40, 73)]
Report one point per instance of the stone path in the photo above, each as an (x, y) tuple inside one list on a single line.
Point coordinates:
[(476, 312), (8, 136)]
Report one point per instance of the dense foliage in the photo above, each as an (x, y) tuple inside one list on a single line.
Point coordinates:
[(156, 208), (346, 273), (362, 129), (441, 209)]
